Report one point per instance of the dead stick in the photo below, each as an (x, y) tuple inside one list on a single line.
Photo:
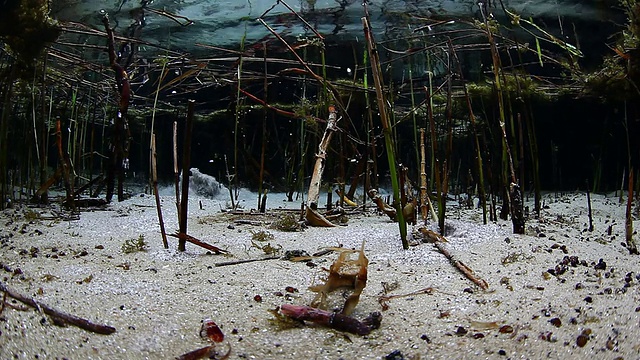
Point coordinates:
[(186, 163), (461, 266), (236, 262), (176, 172), (154, 179), (67, 318), (314, 218), (184, 238), (438, 241)]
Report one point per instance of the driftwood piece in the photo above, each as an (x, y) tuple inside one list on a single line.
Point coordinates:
[(313, 216), (438, 241), (188, 238), (64, 317)]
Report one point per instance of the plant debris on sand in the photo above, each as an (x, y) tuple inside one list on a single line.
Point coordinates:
[(557, 291)]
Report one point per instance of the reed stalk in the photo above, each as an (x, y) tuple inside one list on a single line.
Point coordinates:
[(163, 73), (478, 153), (263, 147), (371, 140), (154, 181), (186, 164), (423, 178), (234, 186), (631, 244), (389, 143), (176, 170), (413, 115)]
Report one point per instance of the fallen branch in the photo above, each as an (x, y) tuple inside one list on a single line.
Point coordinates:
[(236, 262), (438, 241), (191, 239), (65, 318)]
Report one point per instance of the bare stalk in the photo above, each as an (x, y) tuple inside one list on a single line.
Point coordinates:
[(386, 129)]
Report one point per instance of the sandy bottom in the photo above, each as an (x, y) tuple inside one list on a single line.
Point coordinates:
[(157, 299)]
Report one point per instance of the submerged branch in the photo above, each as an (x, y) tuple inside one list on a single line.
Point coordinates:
[(64, 317)]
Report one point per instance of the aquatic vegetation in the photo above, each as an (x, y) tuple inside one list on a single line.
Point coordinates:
[(286, 222), (261, 235), (134, 245)]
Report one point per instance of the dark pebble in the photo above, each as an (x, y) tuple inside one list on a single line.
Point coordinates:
[(478, 335), (99, 247), (394, 355), (460, 331), (502, 352), (588, 299), (601, 265), (579, 286), (425, 338), (257, 298), (582, 340), (556, 322), (542, 235)]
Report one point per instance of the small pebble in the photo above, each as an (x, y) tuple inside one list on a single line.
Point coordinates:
[(601, 265), (394, 355), (582, 339), (460, 331)]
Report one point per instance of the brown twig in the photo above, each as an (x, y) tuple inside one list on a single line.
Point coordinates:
[(236, 262), (154, 179), (188, 238), (66, 318), (438, 241)]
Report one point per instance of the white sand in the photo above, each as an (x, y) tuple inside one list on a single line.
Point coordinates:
[(157, 299)]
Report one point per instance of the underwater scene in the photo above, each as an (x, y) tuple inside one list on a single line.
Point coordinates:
[(319, 179)]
